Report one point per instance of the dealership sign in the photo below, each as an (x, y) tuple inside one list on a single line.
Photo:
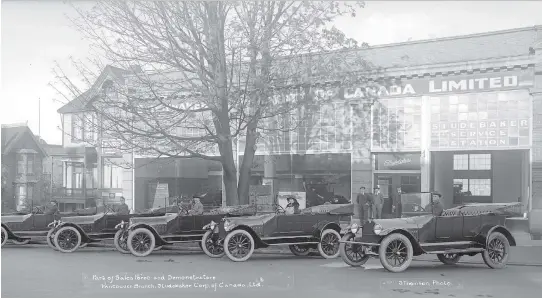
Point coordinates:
[(398, 161), (417, 87)]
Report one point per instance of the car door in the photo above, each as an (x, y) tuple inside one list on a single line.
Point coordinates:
[(449, 226), (185, 225), (289, 225)]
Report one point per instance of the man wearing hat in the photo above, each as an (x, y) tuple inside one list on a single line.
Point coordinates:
[(378, 203), (52, 208), (435, 206), (197, 206)]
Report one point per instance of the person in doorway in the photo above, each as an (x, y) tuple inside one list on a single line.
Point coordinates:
[(435, 205), (123, 209), (397, 206), (292, 207), (378, 203), (52, 208), (197, 206)]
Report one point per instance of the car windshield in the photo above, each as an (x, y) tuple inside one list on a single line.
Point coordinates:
[(415, 204)]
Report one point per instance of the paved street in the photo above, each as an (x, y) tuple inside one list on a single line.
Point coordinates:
[(36, 271)]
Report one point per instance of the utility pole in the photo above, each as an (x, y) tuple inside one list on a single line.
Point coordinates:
[(39, 117)]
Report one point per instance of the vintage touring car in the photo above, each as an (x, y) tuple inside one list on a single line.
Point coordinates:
[(316, 227), (142, 235), (20, 228), (450, 234), (70, 233)]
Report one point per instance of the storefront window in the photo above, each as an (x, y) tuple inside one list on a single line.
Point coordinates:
[(490, 119), (472, 187), (397, 123)]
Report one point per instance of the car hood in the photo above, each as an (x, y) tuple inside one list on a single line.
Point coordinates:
[(16, 218), (252, 220), (408, 222), (82, 219), (154, 220)]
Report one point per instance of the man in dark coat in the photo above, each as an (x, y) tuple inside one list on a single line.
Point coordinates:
[(377, 203), (362, 201), (397, 206), (52, 208), (123, 209), (435, 206)]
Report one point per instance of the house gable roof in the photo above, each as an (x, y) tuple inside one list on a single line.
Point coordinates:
[(80, 103), (11, 135)]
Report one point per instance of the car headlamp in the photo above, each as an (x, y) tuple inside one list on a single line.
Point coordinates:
[(377, 229), (228, 225), (354, 228)]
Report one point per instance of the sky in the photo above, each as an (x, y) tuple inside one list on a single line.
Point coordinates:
[(35, 34)]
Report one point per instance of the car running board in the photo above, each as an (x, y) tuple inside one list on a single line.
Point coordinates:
[(456, 251), (293, 243)]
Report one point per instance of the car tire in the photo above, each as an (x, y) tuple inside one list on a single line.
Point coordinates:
[(328, 247), (50, 238), (403, 245), (145, 242), (233, 239), (4, 236), (497, 251), (121, 241), (449, 259), (352, 254), (210, 247), (67, 239), (17, 242), (300, 250)]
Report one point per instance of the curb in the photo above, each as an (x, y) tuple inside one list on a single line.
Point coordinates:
[(482, 263)]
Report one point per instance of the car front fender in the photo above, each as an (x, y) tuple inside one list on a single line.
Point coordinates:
[(413, 239), (157, 237), (12, 235), (84, 236), (488, 229)]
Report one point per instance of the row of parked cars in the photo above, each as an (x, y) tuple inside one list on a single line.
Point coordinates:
[(238, 231)]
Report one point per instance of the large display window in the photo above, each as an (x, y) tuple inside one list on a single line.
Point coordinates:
[(473, 121), (397, 124)]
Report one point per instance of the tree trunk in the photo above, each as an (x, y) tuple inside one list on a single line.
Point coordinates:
[(246, 166)]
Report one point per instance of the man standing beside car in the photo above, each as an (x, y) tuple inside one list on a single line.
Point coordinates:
[(378, 203), (397, 206), (362, 201)]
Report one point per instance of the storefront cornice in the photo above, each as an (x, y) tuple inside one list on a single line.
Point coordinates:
[(465, 67)]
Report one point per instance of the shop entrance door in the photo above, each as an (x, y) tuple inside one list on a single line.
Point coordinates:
[(385, 183)]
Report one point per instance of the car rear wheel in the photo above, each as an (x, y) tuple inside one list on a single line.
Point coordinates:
[(23, 242), (4, 236), (121, 241), (212, 246), (239, 245), (67, 239), (300, 250), (395, 252), (329, 244), (51, 239), (497, 251), (449, 259), (352, 254), (141, 242)]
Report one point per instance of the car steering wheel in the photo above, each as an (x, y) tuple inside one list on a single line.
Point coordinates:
[(38, 210), (183, 210), (109, 209), (279, 211)]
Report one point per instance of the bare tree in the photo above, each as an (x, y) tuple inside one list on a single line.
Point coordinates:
[(201, 75)]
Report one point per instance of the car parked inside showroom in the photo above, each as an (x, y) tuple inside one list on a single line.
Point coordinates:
[(465, 230)]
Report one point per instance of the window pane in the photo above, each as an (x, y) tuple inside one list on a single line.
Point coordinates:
[(30, 163), (107, 176), (461, 186), (20, 164), (461, 161), (480, 161), (480, 187), (117, 177)]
